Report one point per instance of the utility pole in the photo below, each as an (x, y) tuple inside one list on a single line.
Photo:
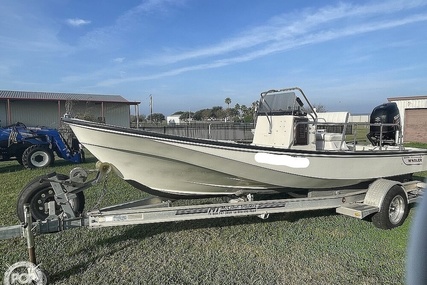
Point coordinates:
[(151, 108)]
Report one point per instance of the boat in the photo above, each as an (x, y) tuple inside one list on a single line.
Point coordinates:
[(294, 150)]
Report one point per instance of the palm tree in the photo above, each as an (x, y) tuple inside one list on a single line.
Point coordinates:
[(228, 102)]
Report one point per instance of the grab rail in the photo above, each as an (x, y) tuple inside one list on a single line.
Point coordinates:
[(313, 112), (269, 117), (399, 141)]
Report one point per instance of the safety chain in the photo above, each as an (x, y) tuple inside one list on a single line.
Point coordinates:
[(102, 195)]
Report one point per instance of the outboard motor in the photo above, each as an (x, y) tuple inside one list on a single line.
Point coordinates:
[(387, 113)]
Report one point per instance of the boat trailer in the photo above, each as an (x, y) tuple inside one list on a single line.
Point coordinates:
[(387, 201)]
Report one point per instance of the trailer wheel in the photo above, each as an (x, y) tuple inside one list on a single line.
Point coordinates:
[(393, 210), (37, 156), (38, 193)]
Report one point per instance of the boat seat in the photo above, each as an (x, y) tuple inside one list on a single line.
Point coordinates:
[(330, 141)]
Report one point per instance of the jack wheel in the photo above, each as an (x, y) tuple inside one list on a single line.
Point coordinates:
[(38, 193), (394, 209)]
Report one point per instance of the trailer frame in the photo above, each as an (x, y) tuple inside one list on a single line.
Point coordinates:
[(357, 203)]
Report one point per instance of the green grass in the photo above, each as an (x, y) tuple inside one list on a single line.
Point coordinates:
[(416, 144), (359, 134), (318, 247)]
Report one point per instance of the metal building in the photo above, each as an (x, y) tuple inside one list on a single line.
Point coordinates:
[(47, 108), (413, 114)]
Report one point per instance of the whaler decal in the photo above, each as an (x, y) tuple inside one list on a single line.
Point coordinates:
[(285, 160), (412, 160)]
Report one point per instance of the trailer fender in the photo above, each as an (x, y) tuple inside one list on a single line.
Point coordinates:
[(378, 190), (391, 198)]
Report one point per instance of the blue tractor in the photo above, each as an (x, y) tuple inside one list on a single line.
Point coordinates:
[(36, 147)]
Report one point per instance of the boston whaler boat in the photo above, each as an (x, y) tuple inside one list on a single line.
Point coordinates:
[(291, 151)]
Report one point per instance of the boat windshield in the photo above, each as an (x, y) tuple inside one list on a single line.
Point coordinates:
[(282, 103)]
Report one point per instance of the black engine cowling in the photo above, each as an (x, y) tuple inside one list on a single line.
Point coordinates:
[(387, 113)]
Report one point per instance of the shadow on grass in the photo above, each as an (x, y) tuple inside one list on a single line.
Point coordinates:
[(420, 178), (141, 232), (146, 231), (14, 166), (79, 268), (63, 162), (9, 166)]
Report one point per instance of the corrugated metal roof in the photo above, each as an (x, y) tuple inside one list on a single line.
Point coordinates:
[(31, 95), (407, 98)]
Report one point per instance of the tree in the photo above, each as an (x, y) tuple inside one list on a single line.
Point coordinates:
[(240, 113), (207, 114), (247, 114), (203, 115), (156, 118), (185, 115), (233, 114), (198, 115), (244, 109), (218, 113), (319, 108), (228, 102), (133, 118), (237, 107)]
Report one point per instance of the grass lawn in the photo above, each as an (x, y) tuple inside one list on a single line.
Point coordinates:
[(318, 247)]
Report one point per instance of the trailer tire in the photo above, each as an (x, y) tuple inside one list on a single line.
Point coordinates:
[(393, 210), (37, 156), (39, 192)]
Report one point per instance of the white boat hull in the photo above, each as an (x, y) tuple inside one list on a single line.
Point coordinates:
[(177, 166)]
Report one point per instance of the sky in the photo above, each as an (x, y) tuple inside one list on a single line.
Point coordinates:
[(192, 54)]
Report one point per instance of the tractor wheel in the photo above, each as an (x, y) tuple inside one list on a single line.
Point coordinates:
[(38, 193), (37, 156), (19, 157)]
